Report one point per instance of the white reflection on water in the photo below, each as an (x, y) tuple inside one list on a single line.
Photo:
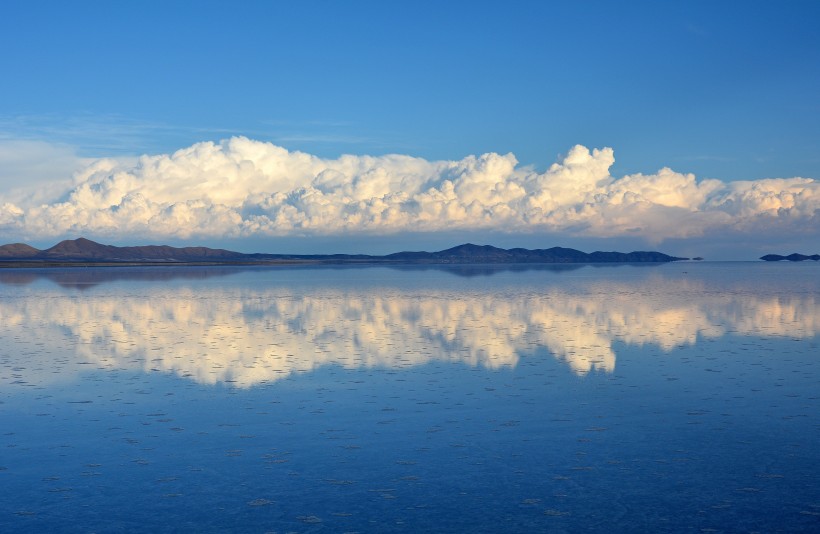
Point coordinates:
[(245, 335)]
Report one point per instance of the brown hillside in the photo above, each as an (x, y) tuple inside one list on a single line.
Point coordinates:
[(17, 250)]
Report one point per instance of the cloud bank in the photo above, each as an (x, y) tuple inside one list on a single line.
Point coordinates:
[(244, 188)]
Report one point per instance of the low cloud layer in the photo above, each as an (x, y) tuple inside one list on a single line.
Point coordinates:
[(244, 188)]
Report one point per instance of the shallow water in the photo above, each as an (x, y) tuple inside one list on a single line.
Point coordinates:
[(677, 397)]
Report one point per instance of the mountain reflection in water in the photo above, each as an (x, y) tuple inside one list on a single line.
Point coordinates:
[(248, 334)]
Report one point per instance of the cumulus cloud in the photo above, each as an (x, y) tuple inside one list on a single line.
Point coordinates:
[(243, 188)]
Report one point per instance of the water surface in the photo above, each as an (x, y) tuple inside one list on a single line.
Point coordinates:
[(675, 397)]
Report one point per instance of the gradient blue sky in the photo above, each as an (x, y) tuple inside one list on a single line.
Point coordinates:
[(723, 90)]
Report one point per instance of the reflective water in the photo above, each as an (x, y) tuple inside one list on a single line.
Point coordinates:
[(678, 398)]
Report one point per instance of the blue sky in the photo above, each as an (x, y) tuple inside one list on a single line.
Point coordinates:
[(722, 90)]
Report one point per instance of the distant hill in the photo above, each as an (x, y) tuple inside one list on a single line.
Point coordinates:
[(790, 257), (469, 253), (18, 250), (86, 251)]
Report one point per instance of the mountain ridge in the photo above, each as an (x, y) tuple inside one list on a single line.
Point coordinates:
[(790, 257), (84, 250)]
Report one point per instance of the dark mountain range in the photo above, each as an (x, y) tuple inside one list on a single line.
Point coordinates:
[(470, 253), (86, 251), (790, 257)]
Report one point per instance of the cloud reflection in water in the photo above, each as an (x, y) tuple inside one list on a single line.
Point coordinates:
[(247, 335)]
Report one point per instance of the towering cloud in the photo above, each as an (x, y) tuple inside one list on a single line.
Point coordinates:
[(241, 187)]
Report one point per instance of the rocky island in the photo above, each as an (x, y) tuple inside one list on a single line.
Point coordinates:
[(84, 252)]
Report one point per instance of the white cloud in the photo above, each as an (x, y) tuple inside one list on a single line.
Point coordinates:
[(244, 188)]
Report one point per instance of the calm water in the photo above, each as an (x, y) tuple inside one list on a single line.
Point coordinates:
[(678, 398)]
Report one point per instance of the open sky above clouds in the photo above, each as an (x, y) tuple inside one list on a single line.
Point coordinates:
[(687, 127)]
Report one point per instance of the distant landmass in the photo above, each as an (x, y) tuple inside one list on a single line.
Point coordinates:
[(790, 257), (86, 251)]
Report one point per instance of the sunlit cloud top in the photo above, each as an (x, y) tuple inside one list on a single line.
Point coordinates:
[(245, 188)]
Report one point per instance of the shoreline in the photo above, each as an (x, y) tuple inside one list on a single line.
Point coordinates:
[(22, 264)]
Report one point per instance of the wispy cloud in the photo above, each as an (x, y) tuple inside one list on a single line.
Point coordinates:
[(91, 134), (34, 171), (706, 157), (114, 135), (320, 138), (307, 133)]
